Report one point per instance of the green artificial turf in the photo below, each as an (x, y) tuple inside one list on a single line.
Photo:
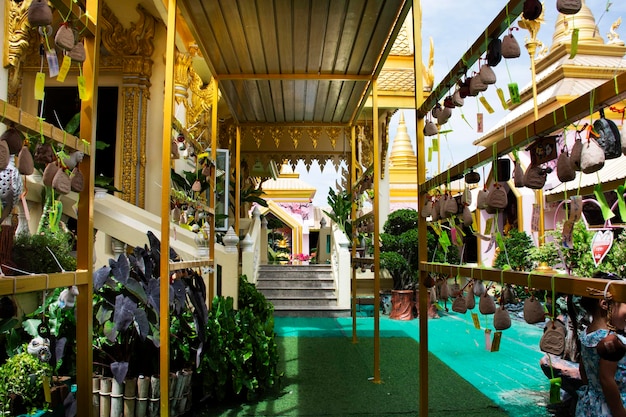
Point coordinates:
[(329, 376)]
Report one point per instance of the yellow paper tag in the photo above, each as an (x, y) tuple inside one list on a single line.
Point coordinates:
[(495, 345), (479, 122), (65, 68), (430, 154), (488, 225), (485, 103), (40, 83), (474, 222), (46, 388), (82, 89), (435, 145), (476, 321), (505, 106)]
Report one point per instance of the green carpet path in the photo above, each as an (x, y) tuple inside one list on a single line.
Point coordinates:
[(510, 377), (325, 374)]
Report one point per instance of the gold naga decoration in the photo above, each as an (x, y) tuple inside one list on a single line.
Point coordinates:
[(533, 27)]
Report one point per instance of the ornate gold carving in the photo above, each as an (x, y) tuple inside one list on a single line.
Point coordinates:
[(314, 134), (137, 40), (199, 112), (257, 135), (19, 40), (428, 72), (276, 133), (295, 134), (333, 133)]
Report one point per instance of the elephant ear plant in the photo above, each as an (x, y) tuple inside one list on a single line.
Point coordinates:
[(126, 313)]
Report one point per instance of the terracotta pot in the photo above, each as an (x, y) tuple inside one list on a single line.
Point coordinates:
[(402, 304)]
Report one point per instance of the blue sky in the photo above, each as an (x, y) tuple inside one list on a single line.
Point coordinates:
[(442, 20)]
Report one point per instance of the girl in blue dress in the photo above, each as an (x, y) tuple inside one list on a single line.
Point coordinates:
[(603, 364)]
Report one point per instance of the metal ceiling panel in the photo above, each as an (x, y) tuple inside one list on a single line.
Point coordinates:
[(294, 61)]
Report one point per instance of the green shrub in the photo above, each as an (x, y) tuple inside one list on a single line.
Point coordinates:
[(241, 357), (30, 252), (22, 376), (516, 254)]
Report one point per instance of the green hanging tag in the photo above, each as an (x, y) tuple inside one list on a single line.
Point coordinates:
[(555, 390), (500, 242), (604, 206), (40, 83), (574, 46), (430, 153), (620, 202), (444, 241), (514, 93), (435, 145), (505, 106)]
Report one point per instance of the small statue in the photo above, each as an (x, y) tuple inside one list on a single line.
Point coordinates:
[(613, 36), (39, 347), (67, 298)]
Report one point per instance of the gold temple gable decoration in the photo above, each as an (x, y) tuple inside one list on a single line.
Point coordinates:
[(181, 78), (20, 40), (136, 40), (533, 27)]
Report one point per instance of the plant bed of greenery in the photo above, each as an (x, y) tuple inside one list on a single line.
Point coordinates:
[(241, 359)]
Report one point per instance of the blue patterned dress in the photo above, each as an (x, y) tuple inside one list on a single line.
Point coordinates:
[(591, 400)]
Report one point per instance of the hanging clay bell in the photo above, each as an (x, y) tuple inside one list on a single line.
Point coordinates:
[(49, 174), (61, 182), (64, 38), (196, 186), (25, 163), (39, 13), (501, 319), (77, 53), (14, 139), (78, 182), (5, 155), (44, 154)]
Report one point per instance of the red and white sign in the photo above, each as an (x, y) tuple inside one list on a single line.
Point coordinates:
[(601, 245)]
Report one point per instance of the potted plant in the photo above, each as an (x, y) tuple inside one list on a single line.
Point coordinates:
[(399, 258), (126, 319), (544, 257)]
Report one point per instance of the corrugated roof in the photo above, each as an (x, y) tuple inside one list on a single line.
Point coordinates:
[(614, 169)]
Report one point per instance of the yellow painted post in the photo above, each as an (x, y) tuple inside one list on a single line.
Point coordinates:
[(422, 227), (84, 304), (353, 237), (376, 204), (211, 292), (168, 105)]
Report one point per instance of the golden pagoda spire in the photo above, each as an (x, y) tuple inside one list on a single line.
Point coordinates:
[(584, 21), (402, 153)]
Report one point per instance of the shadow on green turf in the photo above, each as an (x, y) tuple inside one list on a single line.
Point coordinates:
[(330, 377)]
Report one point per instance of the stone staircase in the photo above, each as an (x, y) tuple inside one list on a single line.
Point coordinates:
[(300, 290)]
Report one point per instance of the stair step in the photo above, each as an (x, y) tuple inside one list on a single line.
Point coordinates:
[(300, 290), (295, 284)]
